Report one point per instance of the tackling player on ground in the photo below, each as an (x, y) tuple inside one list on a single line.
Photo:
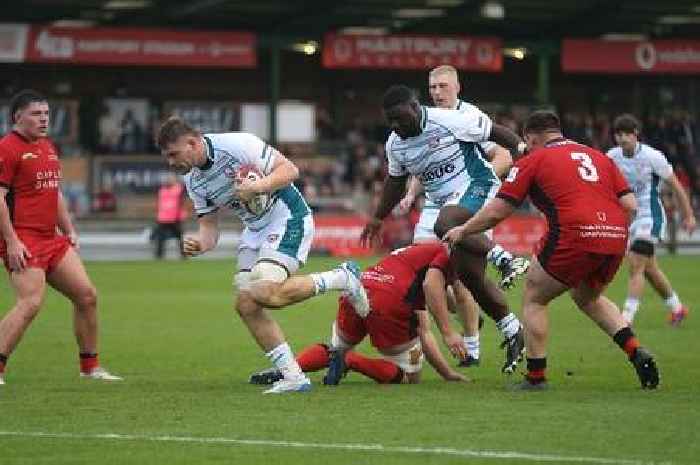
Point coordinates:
[(399, 288), (588, 205), (275, 242)]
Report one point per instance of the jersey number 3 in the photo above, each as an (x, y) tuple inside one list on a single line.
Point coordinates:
[(586, 168)]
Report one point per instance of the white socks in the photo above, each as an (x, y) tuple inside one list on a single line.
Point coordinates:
[(498, 255), (333, 280), (473, 346), (673, 303), (508, 325), (283, 359)]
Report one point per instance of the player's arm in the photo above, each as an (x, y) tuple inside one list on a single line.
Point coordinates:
[(283, 173), (629, 203), (495, 211), (436, 300), (432, 350), (17, 253), (65, 223), (505, 137), (684, 202), (415, 188), (500, 159), (206, 238), (391, 195)]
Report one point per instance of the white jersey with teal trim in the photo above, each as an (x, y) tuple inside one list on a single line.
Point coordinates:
[(211, 186), (445, 156), (466, 107), (644, 172)]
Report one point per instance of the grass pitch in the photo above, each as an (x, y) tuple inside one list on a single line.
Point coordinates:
[(169, 329)]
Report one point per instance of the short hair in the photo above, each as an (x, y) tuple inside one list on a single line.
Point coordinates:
[(23, 99), (444, 69), (542, 121), (397, 95), (626, 123), (172, 129)]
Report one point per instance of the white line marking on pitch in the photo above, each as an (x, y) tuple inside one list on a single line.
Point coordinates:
[(467, 453)]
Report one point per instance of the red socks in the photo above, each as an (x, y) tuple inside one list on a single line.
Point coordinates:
[(88, 362), (627, 341), (380, 370), (313, 358), (3, 361)]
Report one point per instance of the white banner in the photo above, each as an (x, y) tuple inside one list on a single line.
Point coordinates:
[(13, 42)]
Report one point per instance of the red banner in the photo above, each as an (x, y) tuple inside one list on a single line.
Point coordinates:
[(121, 46), (412, 52), (657, 56)]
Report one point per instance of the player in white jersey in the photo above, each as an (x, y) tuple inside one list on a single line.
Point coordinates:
[(275, 242), (645, 168), (440, 147), (443, 84)]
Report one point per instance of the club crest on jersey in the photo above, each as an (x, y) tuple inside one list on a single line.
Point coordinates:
[(272, 238), (230, 172), (29, 156), (434, 142)]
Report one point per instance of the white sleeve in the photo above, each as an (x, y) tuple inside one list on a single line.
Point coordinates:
[(249, 149), (472, 126), (660, 165), (395, 167), (201, 206)]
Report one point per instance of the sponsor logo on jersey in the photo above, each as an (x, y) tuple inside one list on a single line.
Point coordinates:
[(29, 156), (272, 238), (437, 173), (434, 142)]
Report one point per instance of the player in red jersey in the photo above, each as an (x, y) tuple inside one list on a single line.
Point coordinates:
[(32, 210), (588, 205), (399, 287)]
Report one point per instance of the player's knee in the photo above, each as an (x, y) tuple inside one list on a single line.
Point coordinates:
[(449, 218), (87, 299), (265, 284), (29, 307), (246, 306)]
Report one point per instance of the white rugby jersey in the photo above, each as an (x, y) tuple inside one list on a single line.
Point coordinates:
[(445, 156), (643, 172), (465, 107), (211, 186)]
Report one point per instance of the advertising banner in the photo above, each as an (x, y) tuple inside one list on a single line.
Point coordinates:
[(13, 42), (150, 47), (656, 56), (412, 52)]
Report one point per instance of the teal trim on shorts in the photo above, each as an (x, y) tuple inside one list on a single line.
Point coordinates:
[(657, 215), (294, 231), (476, 196)]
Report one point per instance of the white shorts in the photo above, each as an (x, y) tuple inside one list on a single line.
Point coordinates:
[(647, 229), (286, 240), (410, 360), (425, 228)]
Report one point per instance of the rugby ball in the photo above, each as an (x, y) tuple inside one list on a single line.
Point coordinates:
[(260, 202)]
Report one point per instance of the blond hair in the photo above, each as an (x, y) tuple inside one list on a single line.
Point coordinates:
[(445, 69)]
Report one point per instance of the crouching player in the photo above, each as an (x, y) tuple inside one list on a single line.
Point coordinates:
[(275, 242), (399, 288)]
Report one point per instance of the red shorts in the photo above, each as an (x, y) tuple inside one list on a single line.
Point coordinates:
[(573, 266), (46, 252), (390, 323)]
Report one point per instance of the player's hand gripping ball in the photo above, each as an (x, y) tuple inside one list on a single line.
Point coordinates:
[(255, 202)]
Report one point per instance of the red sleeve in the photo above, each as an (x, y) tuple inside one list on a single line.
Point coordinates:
[(441, 261), (521, 176), (8, 166), (619, 182)]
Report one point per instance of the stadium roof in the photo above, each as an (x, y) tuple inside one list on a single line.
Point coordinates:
[(519, 19)]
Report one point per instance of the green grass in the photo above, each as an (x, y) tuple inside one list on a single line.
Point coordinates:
[(170, 330)]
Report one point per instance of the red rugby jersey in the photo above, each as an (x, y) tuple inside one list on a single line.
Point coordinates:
[(403, 271), (577, 188), (32, 173)]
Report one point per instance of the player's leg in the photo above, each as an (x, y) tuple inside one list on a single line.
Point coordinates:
[(468, 311), (655, 275), (540, 289), (68, 276), (29, 287), (607, 316), (264, 329), (285, 247), (471, 270), (638, 258)]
